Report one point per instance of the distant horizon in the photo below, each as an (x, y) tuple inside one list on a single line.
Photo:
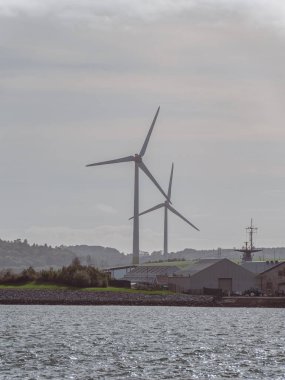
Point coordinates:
[(130, 253)]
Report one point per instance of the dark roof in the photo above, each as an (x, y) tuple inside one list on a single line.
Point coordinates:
[(121, 267), (275, 266), (257, 267), (199, 265), (203, 264), (140, 273)]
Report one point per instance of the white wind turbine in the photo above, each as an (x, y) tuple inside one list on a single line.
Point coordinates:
[(167, 207), (137, 159)]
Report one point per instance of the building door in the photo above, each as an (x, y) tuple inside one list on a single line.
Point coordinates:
[(226, 285), (281, 289)]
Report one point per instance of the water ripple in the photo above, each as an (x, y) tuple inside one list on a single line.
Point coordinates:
[(117, 342)]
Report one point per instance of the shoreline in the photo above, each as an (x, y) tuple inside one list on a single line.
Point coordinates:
[(93, 298)]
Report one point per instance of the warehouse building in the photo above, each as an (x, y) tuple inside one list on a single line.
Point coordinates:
[(211, 274), (272, 281), (258, 266)]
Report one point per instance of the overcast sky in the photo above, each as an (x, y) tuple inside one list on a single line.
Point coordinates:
[(80, 82)]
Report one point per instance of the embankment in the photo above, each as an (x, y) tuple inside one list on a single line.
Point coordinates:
[(276, 302), (77, 297)]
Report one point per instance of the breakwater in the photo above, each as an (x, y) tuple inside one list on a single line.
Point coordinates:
[(276, 302), (78, 297)]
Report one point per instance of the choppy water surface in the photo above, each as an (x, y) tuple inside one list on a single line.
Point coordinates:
[(113, 342)]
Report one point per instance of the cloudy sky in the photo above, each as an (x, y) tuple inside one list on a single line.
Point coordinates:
[(80, 82)]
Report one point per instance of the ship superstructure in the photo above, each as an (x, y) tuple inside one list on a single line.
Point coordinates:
[(248, 249)]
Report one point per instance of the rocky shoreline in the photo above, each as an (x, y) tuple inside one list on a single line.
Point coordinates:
[(77, 297)]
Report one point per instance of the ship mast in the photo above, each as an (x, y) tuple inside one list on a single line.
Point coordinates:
[(249, 248), (251, 230)]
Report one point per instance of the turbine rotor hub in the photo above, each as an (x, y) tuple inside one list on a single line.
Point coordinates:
[(138, 158)]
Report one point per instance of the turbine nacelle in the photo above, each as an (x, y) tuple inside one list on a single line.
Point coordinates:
[(138, 158)]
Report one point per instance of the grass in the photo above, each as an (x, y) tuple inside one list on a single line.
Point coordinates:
[(180, 264), (35, 286), (126, 290)]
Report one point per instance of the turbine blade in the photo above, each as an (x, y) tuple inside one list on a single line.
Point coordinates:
[(151, 177), (181, 216), (143, 149), (118, 160), (149, 210), (170, 182)]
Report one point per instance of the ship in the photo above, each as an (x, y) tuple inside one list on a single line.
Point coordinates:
[(249, 249)]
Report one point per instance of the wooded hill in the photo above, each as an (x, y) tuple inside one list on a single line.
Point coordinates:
[(19, 254)]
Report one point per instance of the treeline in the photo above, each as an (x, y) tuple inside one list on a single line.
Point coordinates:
[(76, 275), (19, 254)]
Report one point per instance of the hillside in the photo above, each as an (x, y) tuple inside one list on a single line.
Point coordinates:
[(101, 257), (20, 254)]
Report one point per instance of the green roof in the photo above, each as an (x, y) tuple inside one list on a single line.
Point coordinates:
[(180, 264)]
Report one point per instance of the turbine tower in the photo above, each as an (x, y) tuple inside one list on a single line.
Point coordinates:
[(137, 159), (167, 207)]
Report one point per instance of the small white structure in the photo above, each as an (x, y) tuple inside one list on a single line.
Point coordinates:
[(118, 273)]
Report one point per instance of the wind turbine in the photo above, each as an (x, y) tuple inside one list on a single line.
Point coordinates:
[(167, 207), (137, 159)]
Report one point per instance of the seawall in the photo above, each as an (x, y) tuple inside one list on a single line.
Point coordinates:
[(77, 297)]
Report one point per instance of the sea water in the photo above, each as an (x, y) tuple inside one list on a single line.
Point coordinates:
[(119, 342)]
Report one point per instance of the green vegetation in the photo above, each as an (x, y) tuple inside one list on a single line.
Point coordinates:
[(19, 254), (128, 290), (36, 286), (170, 263), (75, 275)]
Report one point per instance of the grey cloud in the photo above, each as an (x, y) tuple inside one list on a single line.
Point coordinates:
[(108, 209), (260, 11), (72, 92)]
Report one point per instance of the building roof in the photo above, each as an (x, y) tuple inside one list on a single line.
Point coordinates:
[(149, 273), (177, 263), (277, 264), (258, 266), (198, 266), (119, 267)]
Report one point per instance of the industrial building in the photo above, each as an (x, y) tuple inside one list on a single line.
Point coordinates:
[(205, 273), (272, 281), (257, 267), (213, 274), (148, 274), (118, 273)]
